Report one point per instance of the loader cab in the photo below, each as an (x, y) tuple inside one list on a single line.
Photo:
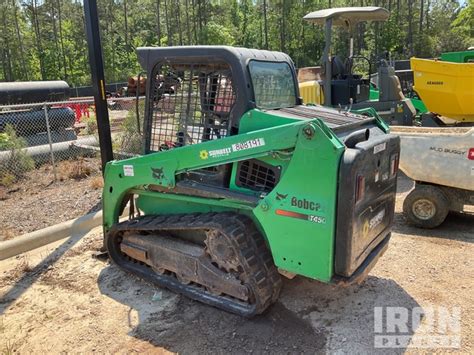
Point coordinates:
[(199, 93)]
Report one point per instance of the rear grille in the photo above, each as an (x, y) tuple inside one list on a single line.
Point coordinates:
[(256, 175), (330, 116)]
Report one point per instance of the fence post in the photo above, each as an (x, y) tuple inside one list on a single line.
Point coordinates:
[(46, 115)]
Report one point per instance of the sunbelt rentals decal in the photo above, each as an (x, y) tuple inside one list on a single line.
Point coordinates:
[(237, 147)]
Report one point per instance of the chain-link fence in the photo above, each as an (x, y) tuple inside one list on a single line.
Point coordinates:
[(50, 168), (32, 135)]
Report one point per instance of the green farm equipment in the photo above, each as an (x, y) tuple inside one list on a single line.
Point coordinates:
[(335, 83), (440, 89), (239, 182)]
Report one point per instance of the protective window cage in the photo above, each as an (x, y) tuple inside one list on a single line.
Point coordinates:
[(257, 175), (191, 103)]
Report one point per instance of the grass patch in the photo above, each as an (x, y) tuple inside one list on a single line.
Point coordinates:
[(7, 233), (75, 169), (97, 183)]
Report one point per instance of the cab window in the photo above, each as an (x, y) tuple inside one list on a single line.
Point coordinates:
[(273, 84)]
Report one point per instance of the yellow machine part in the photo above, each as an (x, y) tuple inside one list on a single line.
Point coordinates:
[(446, 88), (311, 92)]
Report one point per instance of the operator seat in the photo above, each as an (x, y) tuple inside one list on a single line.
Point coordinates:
[(338, 69), (345, 86)]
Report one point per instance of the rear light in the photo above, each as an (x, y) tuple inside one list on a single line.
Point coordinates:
[(360, 188), (394, 160), (470, 154)]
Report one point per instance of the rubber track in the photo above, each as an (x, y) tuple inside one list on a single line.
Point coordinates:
[(259, 272)]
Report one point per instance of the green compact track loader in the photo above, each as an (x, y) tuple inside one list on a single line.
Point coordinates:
[(239, 182)]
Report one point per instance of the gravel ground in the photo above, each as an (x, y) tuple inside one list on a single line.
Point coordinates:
[(70, 301), (37, 201)]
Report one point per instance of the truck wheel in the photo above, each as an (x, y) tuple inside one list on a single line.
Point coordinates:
[(426, 206)]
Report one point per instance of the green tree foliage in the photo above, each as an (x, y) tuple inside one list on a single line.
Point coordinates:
[(45, 39), (218, 34), (463, 26)]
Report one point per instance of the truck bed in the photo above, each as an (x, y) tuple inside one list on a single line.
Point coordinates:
[(442, 156)]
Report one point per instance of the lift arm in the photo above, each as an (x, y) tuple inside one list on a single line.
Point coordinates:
[(161, 168)]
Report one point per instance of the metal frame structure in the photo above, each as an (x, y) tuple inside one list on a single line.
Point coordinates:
[(98, 81), (348, 17)]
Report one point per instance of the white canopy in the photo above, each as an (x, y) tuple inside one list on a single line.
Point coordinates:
[(348, 16)]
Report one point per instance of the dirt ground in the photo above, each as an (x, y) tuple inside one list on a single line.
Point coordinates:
[(37, 201), (65, 300)]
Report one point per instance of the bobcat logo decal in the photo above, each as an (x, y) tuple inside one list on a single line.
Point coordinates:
[(281, 197), (157, 173)]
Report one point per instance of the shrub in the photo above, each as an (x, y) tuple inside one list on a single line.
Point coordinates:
[(18, 161), (90, 124), (4, 141), (7, 179), (129, 140), (76, 169)]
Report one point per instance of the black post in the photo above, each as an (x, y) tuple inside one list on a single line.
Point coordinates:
[(98, 81)]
